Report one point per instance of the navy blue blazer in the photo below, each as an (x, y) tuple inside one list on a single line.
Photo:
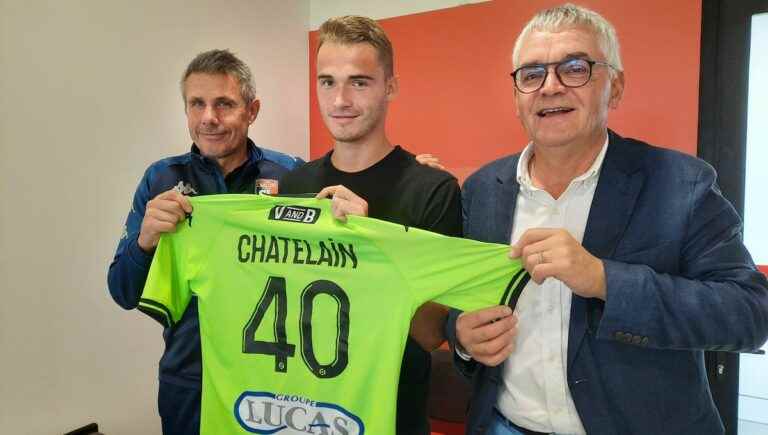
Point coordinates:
[(679, 281)]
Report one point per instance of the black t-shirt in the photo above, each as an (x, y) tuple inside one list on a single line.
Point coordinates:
[(398, 189)]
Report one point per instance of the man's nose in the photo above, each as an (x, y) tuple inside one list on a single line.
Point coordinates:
[(341, 98), (209, 115), (552, 84)]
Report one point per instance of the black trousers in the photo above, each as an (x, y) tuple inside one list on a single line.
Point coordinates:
[(179, 409)]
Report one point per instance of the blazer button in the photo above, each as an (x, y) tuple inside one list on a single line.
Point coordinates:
[(644, 341), (619, 336), (636, 339)]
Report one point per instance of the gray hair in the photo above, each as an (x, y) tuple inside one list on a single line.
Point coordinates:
[(570, 15), (222, 62)]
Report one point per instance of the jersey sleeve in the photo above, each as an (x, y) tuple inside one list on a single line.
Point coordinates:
[(166, 292), (460, 273)]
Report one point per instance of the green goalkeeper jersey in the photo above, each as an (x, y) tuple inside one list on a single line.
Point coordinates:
[(303, 319)]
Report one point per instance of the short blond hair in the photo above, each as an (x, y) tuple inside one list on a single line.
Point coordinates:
[(570, 15), (353, 29)]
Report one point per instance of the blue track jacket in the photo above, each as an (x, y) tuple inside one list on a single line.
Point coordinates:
[(191, 174)]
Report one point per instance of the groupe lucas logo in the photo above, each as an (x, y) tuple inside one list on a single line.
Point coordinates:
[(294, 213), (267, 413)]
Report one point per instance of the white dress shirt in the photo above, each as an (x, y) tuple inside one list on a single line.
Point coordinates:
[(535, 392)]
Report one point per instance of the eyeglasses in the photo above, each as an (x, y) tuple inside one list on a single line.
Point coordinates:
[(572, 73)]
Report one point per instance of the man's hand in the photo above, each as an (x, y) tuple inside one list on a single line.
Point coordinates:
[(547, 252), (488, 334), (344, 202), (430, 160), (163, 213)]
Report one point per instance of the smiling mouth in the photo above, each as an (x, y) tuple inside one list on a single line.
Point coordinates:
[(211, 134), (551, 111)]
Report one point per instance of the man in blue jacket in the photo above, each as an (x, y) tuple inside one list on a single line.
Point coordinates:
[(636, 259), (220, 103)]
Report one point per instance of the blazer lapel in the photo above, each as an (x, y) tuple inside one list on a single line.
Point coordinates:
[(617, 190), (505, 201)]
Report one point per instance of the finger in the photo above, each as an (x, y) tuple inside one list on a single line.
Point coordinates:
[(164, 227), (176, 196), (168, 194), (343, 192), (342, 209), (167, 206), (327, 192), (543, 271), (185, 204), (159, 215), (483, 316), (337, 211), (534, 235), (492, 331), (430, 160), (537, 253), (492, 348), (501, 356), (347, 203)]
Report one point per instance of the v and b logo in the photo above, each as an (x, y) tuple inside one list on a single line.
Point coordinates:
[(294, 213)]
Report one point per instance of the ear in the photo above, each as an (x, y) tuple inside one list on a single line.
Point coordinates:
[(253, 110), (617, 89), (516, 94), (392, 87)]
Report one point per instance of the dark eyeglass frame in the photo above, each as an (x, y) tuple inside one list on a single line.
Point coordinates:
[(557, 66)]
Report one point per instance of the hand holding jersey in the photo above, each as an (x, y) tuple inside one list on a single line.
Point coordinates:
[(163, 212), (488, 334), (344, 202), (169, 208), (553, 252), (275, 278)]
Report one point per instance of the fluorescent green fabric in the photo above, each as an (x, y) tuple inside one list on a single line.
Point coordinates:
[(303, 319)]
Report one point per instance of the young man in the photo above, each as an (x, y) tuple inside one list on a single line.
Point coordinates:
[(636, 259), (220, 103), (366, 174)]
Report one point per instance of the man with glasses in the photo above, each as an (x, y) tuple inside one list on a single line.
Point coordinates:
[(636, 259)]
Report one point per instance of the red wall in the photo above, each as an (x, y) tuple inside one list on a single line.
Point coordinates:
[(456, 97)]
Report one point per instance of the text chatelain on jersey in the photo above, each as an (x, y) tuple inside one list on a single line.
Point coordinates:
[(264, 248)]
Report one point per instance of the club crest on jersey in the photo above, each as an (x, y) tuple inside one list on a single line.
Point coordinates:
[(267, 413), (294, 213), (266, 186)]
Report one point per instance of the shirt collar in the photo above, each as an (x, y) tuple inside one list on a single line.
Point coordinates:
[(524, 177)]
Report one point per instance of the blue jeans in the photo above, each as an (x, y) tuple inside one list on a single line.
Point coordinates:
[(500, 426)]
